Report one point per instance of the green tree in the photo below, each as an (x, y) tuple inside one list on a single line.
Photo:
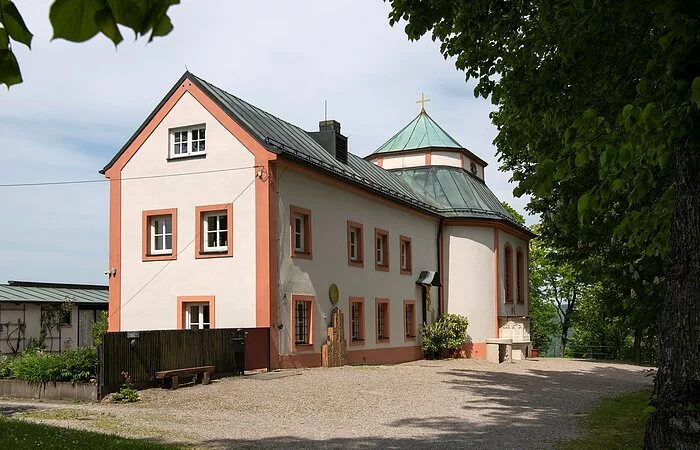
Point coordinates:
[(598, 109), (516, 215), (78, 21), (555, 287)]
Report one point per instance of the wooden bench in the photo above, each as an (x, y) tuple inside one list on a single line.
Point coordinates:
[(174, 375)]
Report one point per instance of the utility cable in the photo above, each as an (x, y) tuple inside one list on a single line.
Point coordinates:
[(106, 180)]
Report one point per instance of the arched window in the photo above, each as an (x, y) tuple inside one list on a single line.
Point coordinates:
[(520, 275), (472, 167), (508, 274)]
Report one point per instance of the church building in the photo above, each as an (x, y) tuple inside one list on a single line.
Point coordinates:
[(223, 215)]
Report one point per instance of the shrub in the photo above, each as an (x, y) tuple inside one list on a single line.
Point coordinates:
[(448, 332), (38, 367), (6, 366), (127, 393), (72, 365), (81, 364)]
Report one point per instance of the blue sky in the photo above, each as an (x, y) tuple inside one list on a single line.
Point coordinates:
[(79, 103)]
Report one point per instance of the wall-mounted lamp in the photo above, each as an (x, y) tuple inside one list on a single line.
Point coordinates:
[(111, 272)]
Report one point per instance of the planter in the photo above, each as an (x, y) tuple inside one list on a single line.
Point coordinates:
[(535, 353), (49, 391)]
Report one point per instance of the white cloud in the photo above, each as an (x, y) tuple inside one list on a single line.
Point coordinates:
[(80, 103)]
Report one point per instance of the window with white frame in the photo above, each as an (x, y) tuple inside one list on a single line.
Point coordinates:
[(198, 316), (216, 231), (355, 253), (188, 141), (406, 257), (381, 249), (300, 221), (161, 235), (354, 234), (299, 232)]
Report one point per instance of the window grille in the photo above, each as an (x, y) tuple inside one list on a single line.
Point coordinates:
[(301, 326)]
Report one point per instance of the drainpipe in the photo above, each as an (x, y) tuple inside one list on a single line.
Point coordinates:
[(439, 265), (424, 303)]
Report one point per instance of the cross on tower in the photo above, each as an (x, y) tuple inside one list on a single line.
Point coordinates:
[(422, 102)]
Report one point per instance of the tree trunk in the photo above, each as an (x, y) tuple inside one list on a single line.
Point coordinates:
[(637, 346), (676, 421)]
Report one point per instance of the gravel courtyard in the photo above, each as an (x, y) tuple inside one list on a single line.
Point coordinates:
[(431, 404)]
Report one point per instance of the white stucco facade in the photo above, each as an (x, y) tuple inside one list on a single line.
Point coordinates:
[(390, 162), (515, 308), (426, 158), (331, 207), (266, 175), (469, 278), (150, 289)]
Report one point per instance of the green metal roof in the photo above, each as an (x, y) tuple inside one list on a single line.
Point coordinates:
[(434, 190), (287, 139), (421, 132), (459, 193), (33, 292)]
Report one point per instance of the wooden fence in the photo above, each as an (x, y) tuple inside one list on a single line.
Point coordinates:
[(143, 353)]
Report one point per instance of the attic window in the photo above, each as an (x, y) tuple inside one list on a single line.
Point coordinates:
[(188, 141), (472, 167)]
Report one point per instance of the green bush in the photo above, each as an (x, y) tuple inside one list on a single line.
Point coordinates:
[(126, 394), (38, 367), (77, 365), (6, 366), (81, 364), (448, 332)]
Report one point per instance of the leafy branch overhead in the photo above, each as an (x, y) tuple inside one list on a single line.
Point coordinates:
[(80, 20)]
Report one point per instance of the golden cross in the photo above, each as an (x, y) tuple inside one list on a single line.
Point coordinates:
[(422, 101)]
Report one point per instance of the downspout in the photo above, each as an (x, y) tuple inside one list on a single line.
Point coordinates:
[(439, 265)]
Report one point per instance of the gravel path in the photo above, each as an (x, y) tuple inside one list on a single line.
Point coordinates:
[(431, 404)]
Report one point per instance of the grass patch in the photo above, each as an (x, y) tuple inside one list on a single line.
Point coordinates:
[(616, 422), (21, 434)]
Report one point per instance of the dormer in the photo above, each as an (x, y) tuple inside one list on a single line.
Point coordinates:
[(424, 143)]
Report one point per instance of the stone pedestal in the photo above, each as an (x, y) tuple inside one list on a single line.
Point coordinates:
[(499, 350)]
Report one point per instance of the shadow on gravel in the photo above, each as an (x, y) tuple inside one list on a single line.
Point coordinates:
[(9, 409), (443, 441), (528, 410)]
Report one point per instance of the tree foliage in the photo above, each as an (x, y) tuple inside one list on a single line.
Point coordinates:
[(516, 215), (78, 21), (598, 113), (555, 287)]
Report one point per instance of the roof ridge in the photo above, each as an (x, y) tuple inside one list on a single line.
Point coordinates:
[(443, 130), (249, 104), (54, 285)]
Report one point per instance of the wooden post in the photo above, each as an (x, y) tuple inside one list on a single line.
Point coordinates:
[(334, 351)]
